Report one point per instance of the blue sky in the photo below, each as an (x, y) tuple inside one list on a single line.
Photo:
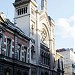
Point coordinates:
[(62, 11)]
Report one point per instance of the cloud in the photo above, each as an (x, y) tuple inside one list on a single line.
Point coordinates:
[(66, 27), (71, 19)]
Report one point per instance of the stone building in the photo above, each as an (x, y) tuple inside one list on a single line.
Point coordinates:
[(40, 28), (13, 49), (27, 47), (69, 60), (59, 64)]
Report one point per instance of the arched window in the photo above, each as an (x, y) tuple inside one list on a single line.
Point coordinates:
[(8, 49), (42, 73), (24, 53), (18, 51), (18, 72), (46, 73), (32, 48), (25, 73), (32, 51), (7, 71), (44, 58)]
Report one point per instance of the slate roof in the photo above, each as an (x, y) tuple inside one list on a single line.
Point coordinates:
[(19, 2), (7, 23)]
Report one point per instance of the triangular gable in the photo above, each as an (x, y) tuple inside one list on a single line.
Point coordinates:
[(43, 15)]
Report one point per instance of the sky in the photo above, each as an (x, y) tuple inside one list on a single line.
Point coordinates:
[(61, 11)]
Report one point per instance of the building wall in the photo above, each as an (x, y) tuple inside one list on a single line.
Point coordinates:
[(9, 65), (58, 66), (69, 57), (10, 35), (32, 24)]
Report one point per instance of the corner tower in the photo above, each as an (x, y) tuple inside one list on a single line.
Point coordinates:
[(25, 19), (24, 9)]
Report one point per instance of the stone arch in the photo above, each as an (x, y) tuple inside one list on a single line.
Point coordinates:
[(25, 73), (18, 72), (32, 51), (32, 48), (46, 28), (42, 73), (48, 34), (7, 71), (46, 73)]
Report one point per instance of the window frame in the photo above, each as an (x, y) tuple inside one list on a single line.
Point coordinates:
[(24, 54), (32, 51), (8, 50), (0, 43), (22, 10), (19, 51)]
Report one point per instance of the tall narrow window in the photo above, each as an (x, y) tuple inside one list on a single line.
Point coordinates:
[(24, 53), (0, 43), (18, 11), (44, 58), (48, 59), (18, 72), (25, 10), (41, 57), (8, 49), (18, 51), (32, 51), (32, 29), (42, 73), (58, 63), (22, 11), (7, 73)]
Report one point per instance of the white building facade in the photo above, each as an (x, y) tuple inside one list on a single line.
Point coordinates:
[(40, 28), (69, 61), (27, 46)]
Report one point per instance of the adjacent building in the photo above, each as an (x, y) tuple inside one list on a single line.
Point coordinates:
[(14, 46), (59, 64), (69, 60)]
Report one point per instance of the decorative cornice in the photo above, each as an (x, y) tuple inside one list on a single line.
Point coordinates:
[(20, 2)]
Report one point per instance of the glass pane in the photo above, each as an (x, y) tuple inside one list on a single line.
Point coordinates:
[(8, 47), (7, 73), (18, 51)]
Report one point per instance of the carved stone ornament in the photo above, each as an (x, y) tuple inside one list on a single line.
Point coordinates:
[(43, 34)]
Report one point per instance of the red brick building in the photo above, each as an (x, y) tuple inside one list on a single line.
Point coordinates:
[(13, 49)]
